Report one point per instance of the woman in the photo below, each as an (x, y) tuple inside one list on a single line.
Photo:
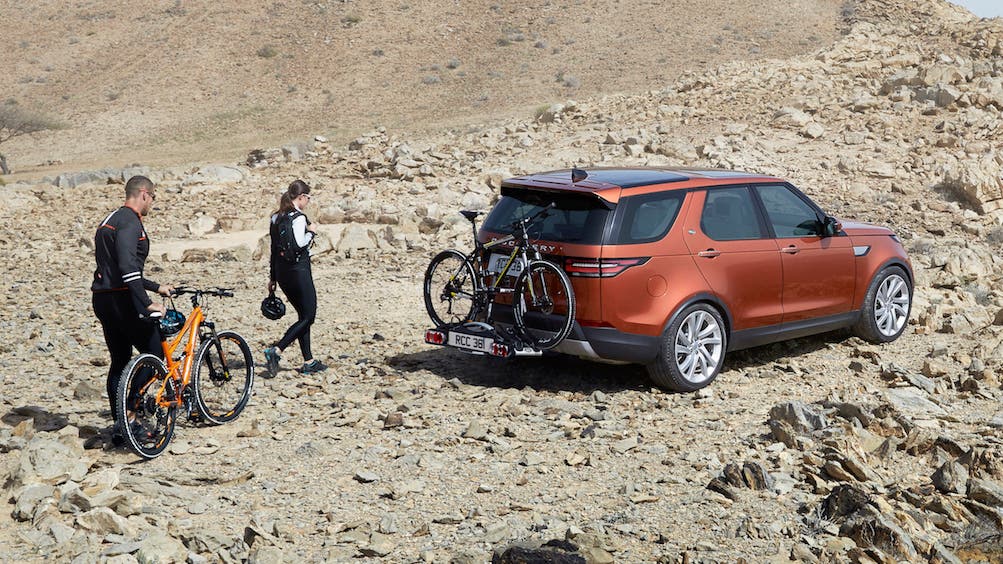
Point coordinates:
[(291, 235)]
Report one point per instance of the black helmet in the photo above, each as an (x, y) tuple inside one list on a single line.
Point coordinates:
[(272, 307), (171, 322)]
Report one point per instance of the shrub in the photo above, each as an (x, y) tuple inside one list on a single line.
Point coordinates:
[(15, 121), (267, 52), (350, 20), (921, 247), (569, 80), (995, 236)]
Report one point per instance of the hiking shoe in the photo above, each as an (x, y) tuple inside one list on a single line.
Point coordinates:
[(140, 432), (118, 439), (313, 367), (271, 363)]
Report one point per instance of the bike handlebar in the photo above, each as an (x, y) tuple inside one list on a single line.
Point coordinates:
[(216, 291)]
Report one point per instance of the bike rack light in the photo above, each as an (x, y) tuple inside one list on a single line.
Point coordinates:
[(434, 337)]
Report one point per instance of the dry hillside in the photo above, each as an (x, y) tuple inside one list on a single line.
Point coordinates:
[(172, 82), (823, 449)]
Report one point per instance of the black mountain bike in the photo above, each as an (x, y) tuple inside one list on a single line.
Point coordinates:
[(463, 288)]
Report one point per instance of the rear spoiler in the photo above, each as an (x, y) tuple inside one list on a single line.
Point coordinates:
[(511, 189)]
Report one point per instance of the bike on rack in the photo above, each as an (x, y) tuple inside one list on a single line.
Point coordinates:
[(213, 380), (463, 292)]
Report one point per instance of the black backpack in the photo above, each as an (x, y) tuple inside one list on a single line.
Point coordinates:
[(285, 239)]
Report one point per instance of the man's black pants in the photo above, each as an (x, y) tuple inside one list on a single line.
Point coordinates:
[(123, 330)]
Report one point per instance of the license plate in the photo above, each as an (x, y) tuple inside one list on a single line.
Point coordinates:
[(470, 342), (497, 263)]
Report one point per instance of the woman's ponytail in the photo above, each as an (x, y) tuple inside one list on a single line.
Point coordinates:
[(294, 191)]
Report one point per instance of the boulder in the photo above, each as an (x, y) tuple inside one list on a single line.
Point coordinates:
[(986, 491), (941, 74), (913, 403), (871, 528), (215, 173), (951, 477), (551, 552), (202, 225), (103, 521), (980, 182), (801, 417), (158, 548), (354, 238), (51, 462)]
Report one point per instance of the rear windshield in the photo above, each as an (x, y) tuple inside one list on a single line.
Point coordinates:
[(575, 219)]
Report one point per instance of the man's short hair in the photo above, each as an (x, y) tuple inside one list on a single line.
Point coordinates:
[(137, 184)]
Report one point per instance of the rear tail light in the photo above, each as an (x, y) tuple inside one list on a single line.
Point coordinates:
[(498, 349), (600, 268), (434, 337)]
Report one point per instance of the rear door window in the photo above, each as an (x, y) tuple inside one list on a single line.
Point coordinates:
[(575, 219), (729, 214), (646, 218)]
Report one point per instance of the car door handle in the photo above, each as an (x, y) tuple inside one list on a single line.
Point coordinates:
[(709, 253), (791, 250)]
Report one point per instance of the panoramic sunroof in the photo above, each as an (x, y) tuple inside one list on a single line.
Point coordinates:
[(628, 177)]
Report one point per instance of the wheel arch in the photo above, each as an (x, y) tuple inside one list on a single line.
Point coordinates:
[(702, 298), (861, 292)]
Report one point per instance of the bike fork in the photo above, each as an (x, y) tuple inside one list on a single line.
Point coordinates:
[(214, 374)]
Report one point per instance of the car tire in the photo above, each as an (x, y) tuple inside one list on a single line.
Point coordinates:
[(692, 350), (886, 308)]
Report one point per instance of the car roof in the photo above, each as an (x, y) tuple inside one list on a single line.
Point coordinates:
[(607, 182)]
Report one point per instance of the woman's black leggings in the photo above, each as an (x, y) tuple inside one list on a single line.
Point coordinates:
[(296, 282)]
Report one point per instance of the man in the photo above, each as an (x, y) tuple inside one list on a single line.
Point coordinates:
[(119, 289)]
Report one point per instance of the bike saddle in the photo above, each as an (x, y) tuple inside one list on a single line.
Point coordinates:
[(470, 215)]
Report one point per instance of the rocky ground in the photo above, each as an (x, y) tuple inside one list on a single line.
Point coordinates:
[(825, 449)]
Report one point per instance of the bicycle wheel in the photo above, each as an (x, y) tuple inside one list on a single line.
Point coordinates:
[(142, 390), (450, 287), (223, 377), (544, 304)]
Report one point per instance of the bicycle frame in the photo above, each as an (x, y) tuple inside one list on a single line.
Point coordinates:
[(521, 249), (180, 372)]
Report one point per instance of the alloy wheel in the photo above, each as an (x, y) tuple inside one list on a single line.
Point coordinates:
[(891, 307), (699, 346)]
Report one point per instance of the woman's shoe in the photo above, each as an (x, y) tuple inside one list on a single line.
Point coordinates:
[(313, 367), (271, 363)]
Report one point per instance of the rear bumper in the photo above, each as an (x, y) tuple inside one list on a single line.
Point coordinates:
[(599, 343), (610, 344)]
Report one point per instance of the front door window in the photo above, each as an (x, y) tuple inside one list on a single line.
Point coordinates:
[(789, 215)]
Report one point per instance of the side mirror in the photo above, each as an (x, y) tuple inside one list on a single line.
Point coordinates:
[(831, 226)]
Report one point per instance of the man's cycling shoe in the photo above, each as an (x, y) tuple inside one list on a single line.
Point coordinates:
[(271, 363), (312, 367)]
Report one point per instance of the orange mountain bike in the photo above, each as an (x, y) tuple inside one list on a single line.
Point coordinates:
[(212, 375)]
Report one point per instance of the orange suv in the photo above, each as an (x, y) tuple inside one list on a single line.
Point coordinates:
[(672, 268)]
